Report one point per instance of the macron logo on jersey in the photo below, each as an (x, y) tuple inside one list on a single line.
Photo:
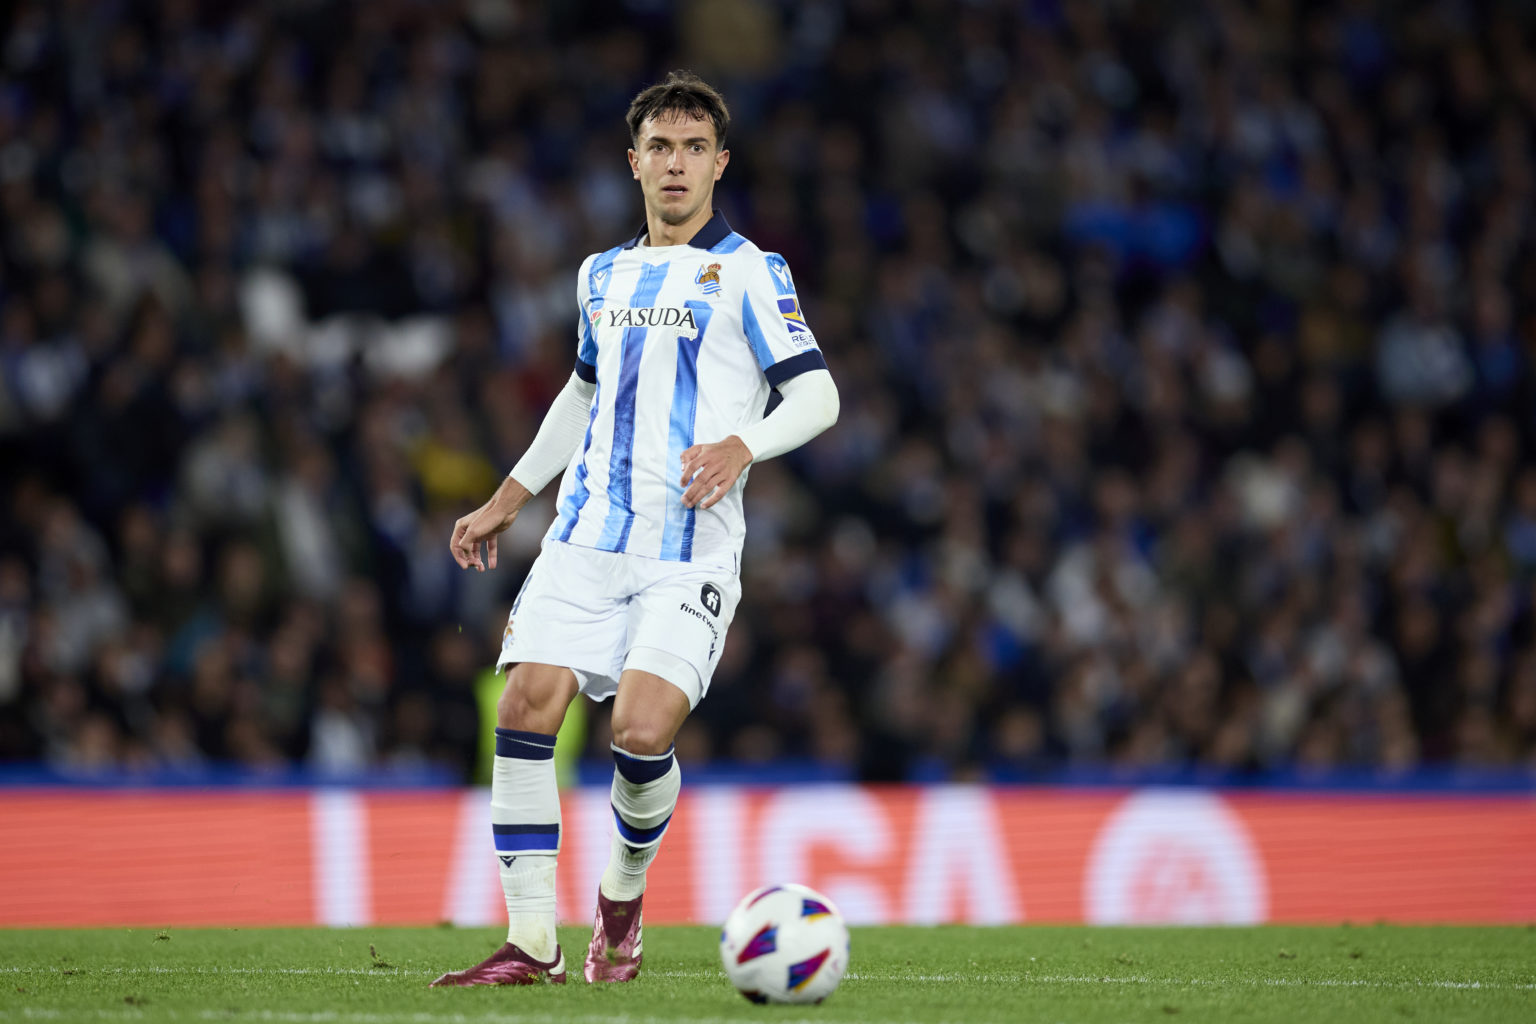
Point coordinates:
[(781, 278), (644, 316)]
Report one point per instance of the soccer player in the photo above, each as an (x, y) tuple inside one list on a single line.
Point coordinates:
[(683, 332)]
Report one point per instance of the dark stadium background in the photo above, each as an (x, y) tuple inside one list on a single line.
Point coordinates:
[(1185, 350)]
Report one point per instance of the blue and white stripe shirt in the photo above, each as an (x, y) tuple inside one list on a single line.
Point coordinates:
[(685, 343)]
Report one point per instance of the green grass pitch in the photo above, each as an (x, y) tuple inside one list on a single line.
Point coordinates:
[(950, 974)]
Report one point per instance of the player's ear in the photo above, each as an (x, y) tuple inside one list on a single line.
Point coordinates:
[(721, 159), (634, 164)]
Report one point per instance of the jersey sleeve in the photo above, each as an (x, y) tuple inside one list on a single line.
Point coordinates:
[(586, 339), (774, 324)]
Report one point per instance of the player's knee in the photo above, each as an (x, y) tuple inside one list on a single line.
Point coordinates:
[(532, 702), (514, 710), (642, 737)]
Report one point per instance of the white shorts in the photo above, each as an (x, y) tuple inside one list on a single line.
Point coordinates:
[(601, 612)]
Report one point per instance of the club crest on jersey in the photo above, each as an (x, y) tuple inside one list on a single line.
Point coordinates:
[(708, 279), (645, 316)]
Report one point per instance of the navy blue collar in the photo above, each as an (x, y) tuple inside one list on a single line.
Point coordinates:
[(708, 236)]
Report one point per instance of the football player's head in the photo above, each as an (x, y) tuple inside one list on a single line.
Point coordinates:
[(677, 137)]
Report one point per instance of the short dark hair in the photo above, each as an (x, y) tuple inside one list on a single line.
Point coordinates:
[(681, 92)]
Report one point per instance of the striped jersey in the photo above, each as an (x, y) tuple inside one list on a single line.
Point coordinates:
[(684, 342)]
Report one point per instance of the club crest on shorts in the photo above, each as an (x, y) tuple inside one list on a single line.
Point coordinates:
[(709, 595)]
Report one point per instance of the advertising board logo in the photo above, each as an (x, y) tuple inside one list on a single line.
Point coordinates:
[(1174, 857)]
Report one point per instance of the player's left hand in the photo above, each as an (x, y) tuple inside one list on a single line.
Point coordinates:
[(710, 470)]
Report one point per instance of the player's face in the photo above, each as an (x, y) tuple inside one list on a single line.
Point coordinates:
[(677, 165)]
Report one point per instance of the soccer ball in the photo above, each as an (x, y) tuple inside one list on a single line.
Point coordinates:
[(784, 944)]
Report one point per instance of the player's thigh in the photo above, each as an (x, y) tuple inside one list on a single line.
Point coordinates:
[(678, 624), (571, 613)]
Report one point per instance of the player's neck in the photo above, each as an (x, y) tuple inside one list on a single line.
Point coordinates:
[(659, 232)]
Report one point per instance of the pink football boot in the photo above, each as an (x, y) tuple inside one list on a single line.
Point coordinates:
[(614, 954), (509, 965)]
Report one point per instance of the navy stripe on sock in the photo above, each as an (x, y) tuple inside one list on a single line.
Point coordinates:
[(527, 746), (638, 836), (525, 830), (524, 838), (642, 769)]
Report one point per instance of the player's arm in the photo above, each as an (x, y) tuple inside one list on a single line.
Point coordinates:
[(789, 357), (810, 406), (548, 455)]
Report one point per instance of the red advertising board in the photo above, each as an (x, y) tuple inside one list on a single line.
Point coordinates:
[(897, 854)]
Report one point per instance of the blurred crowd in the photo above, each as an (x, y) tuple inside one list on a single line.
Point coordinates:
[(1187, 354)]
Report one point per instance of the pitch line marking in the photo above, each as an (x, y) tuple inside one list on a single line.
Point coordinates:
[(961, 979), (373, 971), (346, 1017)]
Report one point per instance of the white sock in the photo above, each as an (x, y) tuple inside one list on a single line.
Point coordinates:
[(645, 789), (525, 820)]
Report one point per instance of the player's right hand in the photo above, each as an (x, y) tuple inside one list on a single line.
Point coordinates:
[(468, 534), (484, 523)]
